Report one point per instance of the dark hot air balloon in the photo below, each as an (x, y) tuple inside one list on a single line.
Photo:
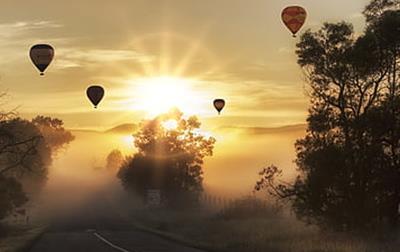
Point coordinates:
[(95, 94), (41, 56), (294, 18), (219, 104)]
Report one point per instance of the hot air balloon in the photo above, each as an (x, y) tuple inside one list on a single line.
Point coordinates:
[(219, 104), (95, 94), (294, 17), (41, 56)]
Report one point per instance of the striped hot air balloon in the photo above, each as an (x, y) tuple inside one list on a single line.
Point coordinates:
[(294, 18)]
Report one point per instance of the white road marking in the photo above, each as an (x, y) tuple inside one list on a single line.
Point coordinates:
[(110, 243)]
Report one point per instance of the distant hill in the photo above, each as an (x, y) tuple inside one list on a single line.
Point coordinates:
[(78, 130), (127, 128), (269, 130)]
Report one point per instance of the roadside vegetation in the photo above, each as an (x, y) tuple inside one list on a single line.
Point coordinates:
[(26, 151)]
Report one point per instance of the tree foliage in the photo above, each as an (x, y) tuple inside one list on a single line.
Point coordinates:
[(114, 160), (23, 150), (169, 158), (26, 149), (53, 131), (349, 160), (11, 195)]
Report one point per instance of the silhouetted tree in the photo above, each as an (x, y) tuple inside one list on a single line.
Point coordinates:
[(170, 157), (53, 131), (376, 8), (11, 195), (26, 156), (114, 160), (349, 161)]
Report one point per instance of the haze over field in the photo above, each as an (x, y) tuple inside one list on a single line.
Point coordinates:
[(231, 172)]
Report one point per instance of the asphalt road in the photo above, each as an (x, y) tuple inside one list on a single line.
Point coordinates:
[(96, 228)]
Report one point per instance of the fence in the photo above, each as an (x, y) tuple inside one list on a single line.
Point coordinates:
[(221, 203)]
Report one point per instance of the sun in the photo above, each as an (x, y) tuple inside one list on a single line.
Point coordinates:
[(128, 140), (157, 95)]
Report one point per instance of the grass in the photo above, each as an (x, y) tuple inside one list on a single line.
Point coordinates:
[(233, 231), (20, 238)]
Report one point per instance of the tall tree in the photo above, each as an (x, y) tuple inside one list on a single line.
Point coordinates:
[(349, 159), (26, 150), (170, 156), (25, 154)]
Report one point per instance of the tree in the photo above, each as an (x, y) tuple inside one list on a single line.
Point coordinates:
[(114, 160), (53, 131), (349, 160), (171, 150), (11, 195), (26, 150), (377, 7), (24, 153), (17, 158), (20, 142)]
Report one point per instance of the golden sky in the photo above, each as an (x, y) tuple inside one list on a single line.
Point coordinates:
[(153, 52)]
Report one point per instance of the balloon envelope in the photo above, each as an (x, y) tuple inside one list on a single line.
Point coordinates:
[(294, 18), (95, 94), (219, 104), (41, 56)]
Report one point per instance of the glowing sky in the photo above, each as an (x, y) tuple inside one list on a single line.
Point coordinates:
[(234, 49)]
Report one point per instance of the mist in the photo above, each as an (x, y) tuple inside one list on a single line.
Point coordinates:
[(78, 175)]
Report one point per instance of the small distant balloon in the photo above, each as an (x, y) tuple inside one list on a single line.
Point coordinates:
[(95, 94), (41, 56), (219, 104), (294, 18)]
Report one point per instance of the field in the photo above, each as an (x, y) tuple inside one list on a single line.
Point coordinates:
[(273, 231)]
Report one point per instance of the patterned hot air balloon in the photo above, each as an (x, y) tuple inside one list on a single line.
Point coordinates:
[(95, 94), (294, 18), (219, 104), (41, 56)]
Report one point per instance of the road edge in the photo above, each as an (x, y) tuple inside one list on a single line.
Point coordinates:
[(28, 244)]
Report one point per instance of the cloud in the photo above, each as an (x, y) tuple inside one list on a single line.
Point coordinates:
[(76, 57), (14, 35), (11, 30), (17, 37)]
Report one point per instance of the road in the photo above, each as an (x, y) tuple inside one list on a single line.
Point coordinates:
[(95, 227)]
